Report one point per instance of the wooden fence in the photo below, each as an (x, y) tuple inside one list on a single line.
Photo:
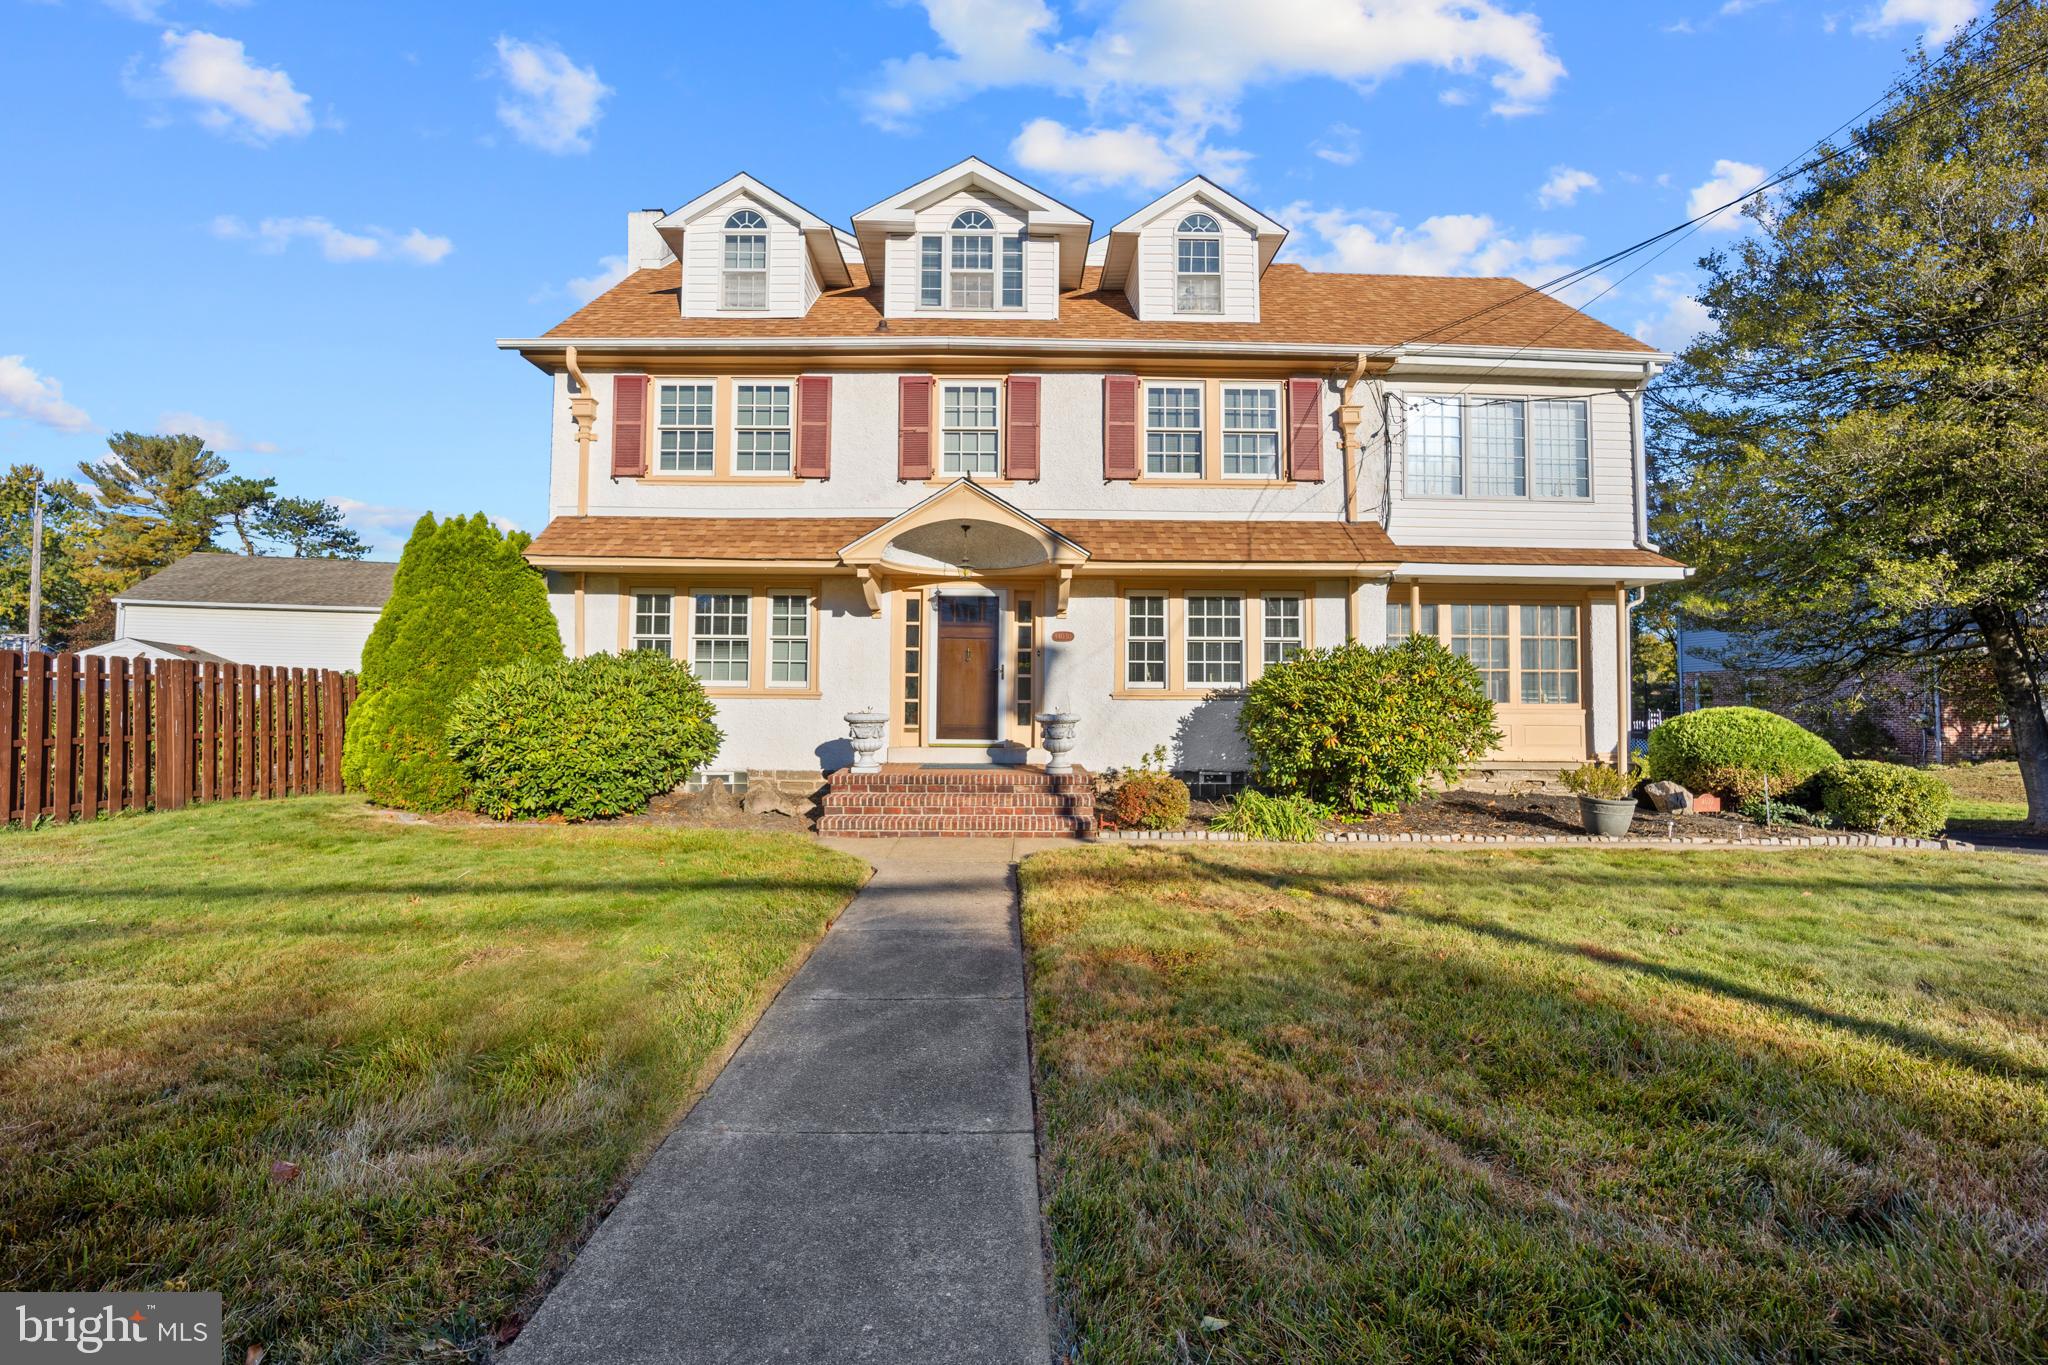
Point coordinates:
[(86, 735)]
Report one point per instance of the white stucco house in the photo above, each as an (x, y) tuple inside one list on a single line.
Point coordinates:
[(252, 609), (976, 459)]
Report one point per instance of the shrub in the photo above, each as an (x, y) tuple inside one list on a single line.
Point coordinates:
[(462, 601), (580, 738), (1290, 819), (1883, 798), (1149, 797), (1781, 812), (1736, 751), (1358, 727)]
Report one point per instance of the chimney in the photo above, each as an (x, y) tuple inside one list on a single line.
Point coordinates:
[(645, 250)]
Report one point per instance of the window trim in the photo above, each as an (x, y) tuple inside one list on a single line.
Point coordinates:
[(1436, 601), (760, 591), (1200, 430), (1001, 242), (733, 427), (1410, 399), (661, 385), (1224, 430), (940, 429), (734, 230), (1267, 639), (746, 618), (1212, 475), (771, 638), (1164, 638), (1242, 639), (1210, 235), (1251, 592), (640, 639)]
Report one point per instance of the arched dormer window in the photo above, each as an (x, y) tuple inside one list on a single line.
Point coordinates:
[(746, 260), (958, 268), (1198, 265), (973, 255)]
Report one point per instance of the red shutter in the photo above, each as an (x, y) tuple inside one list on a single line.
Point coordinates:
[(1021, 461), (1305, 430), (629, 426), (814, 426), (1119, 426), (914, 426)]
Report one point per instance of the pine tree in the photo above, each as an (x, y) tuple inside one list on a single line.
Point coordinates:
[(463, 600), (154, 505), (67, 551)]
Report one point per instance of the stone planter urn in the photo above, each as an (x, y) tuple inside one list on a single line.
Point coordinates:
[(1608, 819), (1057, 730), (867, 730)]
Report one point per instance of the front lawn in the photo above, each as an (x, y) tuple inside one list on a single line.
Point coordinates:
[(1989, 797), (458, 1039), (1553, 1105)]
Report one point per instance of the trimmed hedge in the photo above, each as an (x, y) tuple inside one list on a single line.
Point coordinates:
[(1359, 727), (1735, 751), (580, 738), (464, 599), (1883, 798)]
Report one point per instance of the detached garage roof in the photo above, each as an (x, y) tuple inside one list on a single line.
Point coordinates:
[(210, 578)]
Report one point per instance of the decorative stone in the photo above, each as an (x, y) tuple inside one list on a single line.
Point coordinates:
[(1057, 729), (867, 730), (771, 801), (1668, 798)]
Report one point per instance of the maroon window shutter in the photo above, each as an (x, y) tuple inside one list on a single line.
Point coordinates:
[(1119, 426), (1305, 430), (814, 426), (914, 426), (629, 426), (1021, 462)]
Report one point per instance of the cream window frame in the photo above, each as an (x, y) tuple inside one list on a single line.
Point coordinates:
[(788, 427), (1250, 591), (708, 427), (663, 641)]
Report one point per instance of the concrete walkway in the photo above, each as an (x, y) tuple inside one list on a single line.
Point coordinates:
[(860, 1183)]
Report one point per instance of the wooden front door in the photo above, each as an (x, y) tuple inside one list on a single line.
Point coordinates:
[(967, 666)]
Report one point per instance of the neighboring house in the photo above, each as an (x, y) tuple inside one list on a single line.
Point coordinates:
[(964, 465), (253, 609)]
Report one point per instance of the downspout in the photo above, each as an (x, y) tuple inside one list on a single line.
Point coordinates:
[(1348, 419), (1639, 452)]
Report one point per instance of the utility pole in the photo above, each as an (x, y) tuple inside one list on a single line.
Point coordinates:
[(35, 569)]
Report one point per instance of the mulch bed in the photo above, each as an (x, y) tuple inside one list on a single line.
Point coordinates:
[(1532, 815)]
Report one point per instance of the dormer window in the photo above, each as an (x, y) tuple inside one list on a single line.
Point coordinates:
[(959, 268), (1198, 265), (746, 260)]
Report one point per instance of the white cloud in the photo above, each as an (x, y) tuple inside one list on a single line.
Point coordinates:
[(234, 96), (1731, 180), (1682, 317), (1173, 72), (554, 103), (1937, 20), (1340, 148), (385, 527), (1099, 156), (273, 235), (1565, 185), (217, 435), (611, 269), (1375, 243), (36, 397)]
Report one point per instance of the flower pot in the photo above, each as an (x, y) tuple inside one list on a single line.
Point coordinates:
[(1608, 819)]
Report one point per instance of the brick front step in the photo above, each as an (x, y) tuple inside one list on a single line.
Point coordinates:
[(908, 800)]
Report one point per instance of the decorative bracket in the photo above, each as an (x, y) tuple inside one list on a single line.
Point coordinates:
[(1065, 585), (869, 588)]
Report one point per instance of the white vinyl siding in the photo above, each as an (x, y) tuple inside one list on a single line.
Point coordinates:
[(282, 637), (1154, 284), (1034, 260), (780, 278), (1173, 430)]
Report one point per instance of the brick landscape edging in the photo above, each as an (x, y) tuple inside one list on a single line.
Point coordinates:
[(1190, 836)]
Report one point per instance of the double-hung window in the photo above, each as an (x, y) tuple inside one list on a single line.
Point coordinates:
[(1559, 467), (1498, 448), (746, 260), (1251, 432), (1400, 627), (1215, 627), (967, 422), (1283, 631), (973, 270), (685, 423), (761, 428), (789, 640), (654, 622), (1550, 654), (1480, 633), (718, 637), (1173, 430), (1145, 641), (931, 272), (1198, 265)]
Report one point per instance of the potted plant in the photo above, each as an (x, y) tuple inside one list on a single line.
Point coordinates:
[(1607, 801)]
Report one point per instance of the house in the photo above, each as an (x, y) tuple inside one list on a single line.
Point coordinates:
[(252, 609), (975, 460)]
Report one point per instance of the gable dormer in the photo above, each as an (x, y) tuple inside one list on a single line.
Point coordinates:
[(1195, 254), (749, 252), (972, 242)]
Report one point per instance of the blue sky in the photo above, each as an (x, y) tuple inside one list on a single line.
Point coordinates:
[(297, 228)]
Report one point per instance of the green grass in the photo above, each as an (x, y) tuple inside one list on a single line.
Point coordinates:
[(1543, 1106), (463, 1037), (1988, 797)]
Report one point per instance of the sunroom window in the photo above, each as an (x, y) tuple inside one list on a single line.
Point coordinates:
[(746, 260), (1198, 265)]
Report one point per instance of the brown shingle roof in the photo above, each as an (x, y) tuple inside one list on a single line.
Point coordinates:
[(1107, 540), (1296, 305), (260, 580)]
